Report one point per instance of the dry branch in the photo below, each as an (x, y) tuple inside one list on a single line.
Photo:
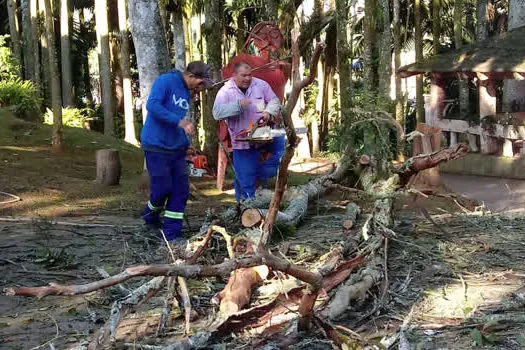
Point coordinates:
[(426, 161)]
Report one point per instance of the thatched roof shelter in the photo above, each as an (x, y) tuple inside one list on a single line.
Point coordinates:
[(503, 54)]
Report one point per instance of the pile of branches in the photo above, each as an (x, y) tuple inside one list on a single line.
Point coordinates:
[(345, 274)]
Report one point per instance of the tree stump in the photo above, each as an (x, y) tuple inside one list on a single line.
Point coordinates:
[(108, 167)]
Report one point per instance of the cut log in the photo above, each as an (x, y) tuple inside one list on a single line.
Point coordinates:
[(238, 291), (108, 167), (352, 211)]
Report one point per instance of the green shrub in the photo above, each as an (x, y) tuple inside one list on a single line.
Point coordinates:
[(73, 117), (21, 96), (9, 65)]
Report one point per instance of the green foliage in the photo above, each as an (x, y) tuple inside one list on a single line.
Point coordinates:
[(73, 117), (21, 96), (310, 112), (55, 258), (9, 65), (366, 129)]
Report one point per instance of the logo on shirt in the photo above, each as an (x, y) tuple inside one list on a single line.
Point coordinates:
[(181, 102)]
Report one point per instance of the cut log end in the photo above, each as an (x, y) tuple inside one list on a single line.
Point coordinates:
[(251, 217), (364, 159), (108, 167), (348, 224)]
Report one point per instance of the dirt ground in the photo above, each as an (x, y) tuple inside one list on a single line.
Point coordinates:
[(455, 273)]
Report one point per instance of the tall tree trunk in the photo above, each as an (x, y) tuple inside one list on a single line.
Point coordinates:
[(319, 107), (150, 46), (28, 40), (117, 79), (56, 95), (187, 39), (179, 41), (101, 19), (240, 35), (481, 20), (86, 77), (385, 52), (129, 125), (343, 58), (46, 74), (458, 41), (397, 62), (369, 80), (164, 20), (272, 9), (436, 25), (418, 39), (65, 46), (12, 11), (36, 52), (213, 36), (514, 90)]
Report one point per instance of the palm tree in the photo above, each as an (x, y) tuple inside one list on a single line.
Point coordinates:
[(14, 30), (101, 18), (65, 51), (56, 95)]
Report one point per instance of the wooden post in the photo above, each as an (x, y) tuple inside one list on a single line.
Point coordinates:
[(487, 106), (437, 96), (472, 143), (108, 167)]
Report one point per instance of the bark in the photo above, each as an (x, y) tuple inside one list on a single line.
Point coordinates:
[(101, 19), (369, 76), (240, 35), (418, 39), (129, 124), (343, 58), (272, 8), (65, 51), (27, 40), (36, 52), (116, 74), (397, 62), (514, 90), (351, 214), (46, 75), (213, 36), (179, 44), (56, 95), (426, 161), (150, 47), (108, 167), (482, 32), (458, 40), (436, 25), (12, 13), (385, 52), (85, 66)]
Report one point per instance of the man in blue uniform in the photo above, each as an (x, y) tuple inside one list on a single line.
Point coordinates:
[(165, 141)]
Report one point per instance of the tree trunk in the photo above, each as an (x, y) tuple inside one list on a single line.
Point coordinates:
[(385, 52), (213, 36), (481, 20), (514, 90), (436, 25), (418, 38), (397, 62), (318, 117), (240, 35), (129, 124), (272, 9), (36, 52), (65, 46), (28, 40), (86, 77), (343, 58), (369, 80), (56, 95), (458, 40), (14, 30), (116, 70), (150, 47), (179, 44), (46, 74), (101, 19), (108, 167), (187, 38)]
